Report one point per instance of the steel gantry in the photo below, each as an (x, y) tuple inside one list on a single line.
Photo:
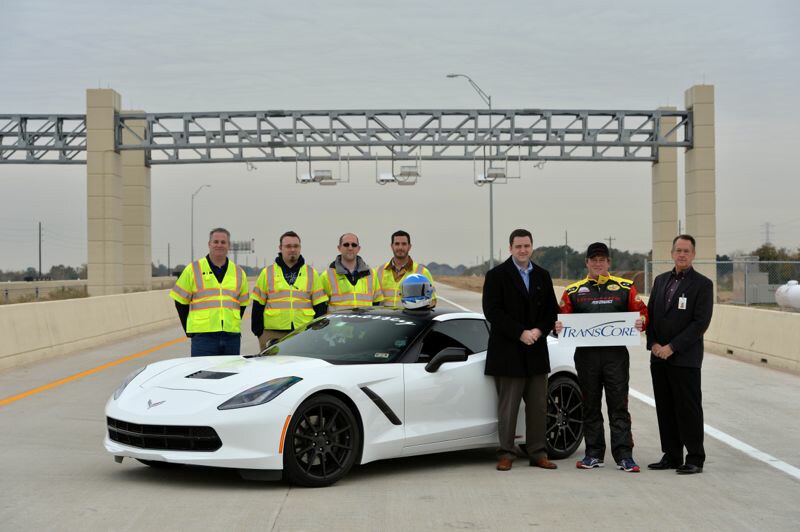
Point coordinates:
[(355, 135)]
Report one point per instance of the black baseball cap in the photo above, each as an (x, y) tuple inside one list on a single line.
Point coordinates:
[(598, 248)]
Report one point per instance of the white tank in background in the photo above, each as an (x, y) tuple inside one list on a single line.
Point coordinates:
[(788, 295)]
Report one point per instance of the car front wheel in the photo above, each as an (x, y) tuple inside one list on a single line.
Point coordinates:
[(564, 417), (322, 442)]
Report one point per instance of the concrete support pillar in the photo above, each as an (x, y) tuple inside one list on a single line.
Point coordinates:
[(665, 197), (136, 238), (104, 194), (700, 166)]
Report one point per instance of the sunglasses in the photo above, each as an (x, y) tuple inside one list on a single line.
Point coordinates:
[(349, 245)]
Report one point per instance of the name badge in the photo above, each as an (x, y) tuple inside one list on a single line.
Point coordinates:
[(682, 303)]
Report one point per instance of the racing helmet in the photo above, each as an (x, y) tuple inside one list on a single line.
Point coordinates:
[(416, 292)]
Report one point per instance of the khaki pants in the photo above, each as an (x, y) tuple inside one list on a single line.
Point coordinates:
[(266, 336)]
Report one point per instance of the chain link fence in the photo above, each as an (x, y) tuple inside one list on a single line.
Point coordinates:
[(742, 281)]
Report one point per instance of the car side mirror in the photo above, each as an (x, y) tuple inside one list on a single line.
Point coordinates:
[(448, 354)]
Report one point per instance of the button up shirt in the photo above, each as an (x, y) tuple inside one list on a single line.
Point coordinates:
[(675, 278), (525, 273)]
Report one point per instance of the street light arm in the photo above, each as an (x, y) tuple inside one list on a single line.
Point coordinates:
[(201, 187), (485, 97)]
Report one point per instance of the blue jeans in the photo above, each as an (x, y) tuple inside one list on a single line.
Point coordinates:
[(216, 343)]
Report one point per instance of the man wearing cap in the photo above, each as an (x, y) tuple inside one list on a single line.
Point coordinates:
[(604, 368)]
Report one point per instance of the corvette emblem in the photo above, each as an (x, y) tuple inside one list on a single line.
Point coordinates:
[(151, 404)]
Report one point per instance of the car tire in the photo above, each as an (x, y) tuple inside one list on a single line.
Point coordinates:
[(564, 417), (156, 464), (322, 442)]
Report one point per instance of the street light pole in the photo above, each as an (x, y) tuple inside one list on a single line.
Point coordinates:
[(488, 101), (191, 230)]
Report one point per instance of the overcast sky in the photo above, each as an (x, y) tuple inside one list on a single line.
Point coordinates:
[(259, 55)]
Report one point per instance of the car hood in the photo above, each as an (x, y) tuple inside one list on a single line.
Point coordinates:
[(228, 375)]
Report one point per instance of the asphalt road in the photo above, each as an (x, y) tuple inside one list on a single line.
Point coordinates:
[(55, 474)]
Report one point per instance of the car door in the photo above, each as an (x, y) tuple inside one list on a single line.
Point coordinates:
[(457, 402)]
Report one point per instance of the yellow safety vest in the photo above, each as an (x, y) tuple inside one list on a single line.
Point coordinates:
[(391, 288), (342, 294), (284, 305), (213, 307)]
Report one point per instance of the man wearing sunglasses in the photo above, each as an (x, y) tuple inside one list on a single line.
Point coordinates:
[(349, 282)]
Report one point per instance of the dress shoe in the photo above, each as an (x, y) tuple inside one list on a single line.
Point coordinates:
[(543, 462), (664, 463), (689, 469), (504, 464)]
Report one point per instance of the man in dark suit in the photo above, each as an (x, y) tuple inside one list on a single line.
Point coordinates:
[(680, 309), (519, 302)]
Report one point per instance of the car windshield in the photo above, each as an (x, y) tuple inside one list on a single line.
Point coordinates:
[(347, 338)]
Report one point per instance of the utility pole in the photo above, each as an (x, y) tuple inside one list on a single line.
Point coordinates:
[(564, 260), (40, 250), (767, 226), (610, 242), (169, 264)]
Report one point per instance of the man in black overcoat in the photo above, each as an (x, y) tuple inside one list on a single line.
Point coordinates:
[(519, 302), (680, 309)]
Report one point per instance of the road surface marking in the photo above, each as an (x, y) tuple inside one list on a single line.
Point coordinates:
[(729, 440), (65, 380)]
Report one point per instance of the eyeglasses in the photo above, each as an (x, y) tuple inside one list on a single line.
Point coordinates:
[(349, 244)]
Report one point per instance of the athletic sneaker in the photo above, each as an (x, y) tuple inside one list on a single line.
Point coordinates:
[(628, 465), (589, 462)]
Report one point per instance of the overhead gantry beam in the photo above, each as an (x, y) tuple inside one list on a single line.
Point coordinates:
[(290, 136)]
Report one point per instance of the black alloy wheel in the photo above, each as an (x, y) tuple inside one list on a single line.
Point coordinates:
[(564, 417), (322, 443)]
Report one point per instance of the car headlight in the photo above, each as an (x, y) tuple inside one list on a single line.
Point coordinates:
[(258, 395), (127, 381)]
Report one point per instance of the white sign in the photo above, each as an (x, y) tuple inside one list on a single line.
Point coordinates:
[(604, 328)]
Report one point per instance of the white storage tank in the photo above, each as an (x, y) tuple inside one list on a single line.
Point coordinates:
[(788, 295)]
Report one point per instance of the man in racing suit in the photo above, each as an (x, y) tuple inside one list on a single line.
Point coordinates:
[(604, 367)]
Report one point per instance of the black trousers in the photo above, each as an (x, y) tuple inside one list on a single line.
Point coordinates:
[(679, 407), (605, 369)]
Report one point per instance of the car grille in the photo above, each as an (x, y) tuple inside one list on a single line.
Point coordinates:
[(164, 437)]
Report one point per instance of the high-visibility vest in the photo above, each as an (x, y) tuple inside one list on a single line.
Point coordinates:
[(391, 288), (287, 307), (342, 294), (213, 306)]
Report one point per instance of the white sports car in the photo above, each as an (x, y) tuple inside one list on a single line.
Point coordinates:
[(350, 388)]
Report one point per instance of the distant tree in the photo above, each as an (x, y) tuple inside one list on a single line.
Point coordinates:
[(770, 252), (160, 270), (60, 272)]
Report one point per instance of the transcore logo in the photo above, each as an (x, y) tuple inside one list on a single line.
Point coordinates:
[(610, 329)]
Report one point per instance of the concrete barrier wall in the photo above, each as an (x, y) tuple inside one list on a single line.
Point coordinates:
[(765, 337), (35, 331)]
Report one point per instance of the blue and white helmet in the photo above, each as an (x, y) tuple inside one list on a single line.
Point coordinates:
[(416, 292)]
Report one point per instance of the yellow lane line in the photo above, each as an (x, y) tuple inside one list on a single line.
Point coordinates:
[(65, 380)]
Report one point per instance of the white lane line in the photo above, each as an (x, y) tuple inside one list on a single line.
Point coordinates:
[(729, 440), (465, 309), (715, 433)]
